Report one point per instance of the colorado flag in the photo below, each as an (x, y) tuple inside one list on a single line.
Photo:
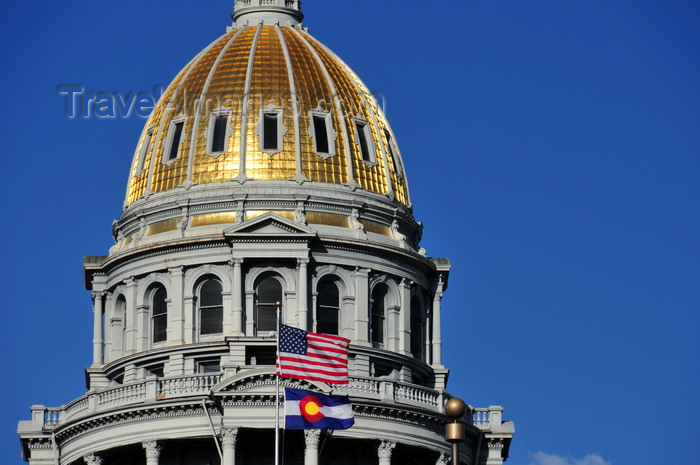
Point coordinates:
[(310, 410)]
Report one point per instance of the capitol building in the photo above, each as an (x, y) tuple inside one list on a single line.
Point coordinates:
[(266, 173)]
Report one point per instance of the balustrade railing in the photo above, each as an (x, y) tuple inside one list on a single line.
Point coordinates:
[(153, 390)]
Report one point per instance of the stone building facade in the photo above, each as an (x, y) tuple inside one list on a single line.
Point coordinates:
[(267, 173)]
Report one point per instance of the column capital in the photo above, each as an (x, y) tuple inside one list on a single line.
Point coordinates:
[(93, 459), (97, 294), (311, 436), (443, 459), (176, 270), (228, 436), (152, 449), (385, 449)]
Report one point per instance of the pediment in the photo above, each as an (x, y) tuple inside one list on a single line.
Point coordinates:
[(269, 225), (262, 382)]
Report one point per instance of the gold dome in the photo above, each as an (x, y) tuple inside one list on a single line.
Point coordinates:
[(267, 102)]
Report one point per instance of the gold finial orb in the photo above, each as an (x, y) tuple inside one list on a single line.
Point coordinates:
[(455, 408)]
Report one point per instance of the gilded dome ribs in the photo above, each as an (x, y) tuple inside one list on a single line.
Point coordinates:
[(249, 82)]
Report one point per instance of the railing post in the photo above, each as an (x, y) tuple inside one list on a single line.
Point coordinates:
[(38, 415), (495, 415)]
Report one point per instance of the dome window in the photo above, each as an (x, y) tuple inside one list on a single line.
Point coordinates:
[(219, 132), (364, 141), (145, 148), (321, 130), (174, 138), (391, 148), (271, 130)]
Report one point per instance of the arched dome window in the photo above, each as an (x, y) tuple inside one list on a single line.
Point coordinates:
[(327, 307), (159, 314), (377, 316), (417, 329), (267, 293), (119, 336), (210, 304)]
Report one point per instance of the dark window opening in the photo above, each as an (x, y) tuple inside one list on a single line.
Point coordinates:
[(377, 315), (175, 140), (211, 309), (218, 137), (321, 134), (363, 138), (417, 330), (270, 131), (159, 309), (144, 150), (260, 355), (209, 366), (327, 308), (268, 292), (392, 154)]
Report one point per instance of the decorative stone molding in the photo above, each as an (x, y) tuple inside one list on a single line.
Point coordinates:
[(152, 449), (385, 450), (312, 437), (443, 459), (93, 459), (228, 437)]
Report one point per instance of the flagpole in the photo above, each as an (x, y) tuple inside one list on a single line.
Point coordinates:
[(277, 395)]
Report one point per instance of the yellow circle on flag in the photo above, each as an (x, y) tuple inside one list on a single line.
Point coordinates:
[(312, 408)]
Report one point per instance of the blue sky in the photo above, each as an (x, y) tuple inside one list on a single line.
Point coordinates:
[(553, 153)]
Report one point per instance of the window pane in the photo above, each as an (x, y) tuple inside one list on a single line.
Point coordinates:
[(159, 311), (175, 141), (211, 320), (417, 330), (270, 131), (377, 315), (328, 306), (321, 134), (210, 293), (269, 292), (218, 141)]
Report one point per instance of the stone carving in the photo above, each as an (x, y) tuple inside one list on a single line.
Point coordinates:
[(396, 235), (311, 436), (228, 437), (300, 215), (385, 449), (93, 459), (443, 459), (355, 223), (152, 449)]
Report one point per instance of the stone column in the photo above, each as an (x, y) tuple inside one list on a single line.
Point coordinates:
[(311, 438), (93, 459), (437, 338), (153, 450), (237, 303), (97, 339), (176, 315), (228, 444), (384, 452), (130, 328), (361, 305), (302, 293), (405, 317)]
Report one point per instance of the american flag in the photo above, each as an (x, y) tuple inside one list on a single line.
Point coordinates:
[(312, 356)]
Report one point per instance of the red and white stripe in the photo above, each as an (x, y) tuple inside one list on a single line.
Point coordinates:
[(326, 360)]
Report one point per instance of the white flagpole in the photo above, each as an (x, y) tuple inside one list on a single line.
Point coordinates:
[(277, 395)]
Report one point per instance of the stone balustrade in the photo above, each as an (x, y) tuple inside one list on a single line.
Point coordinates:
[(159, 389)]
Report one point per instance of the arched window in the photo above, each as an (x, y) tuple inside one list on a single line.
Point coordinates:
[(327, 307), (120, 334), (377, 315), (267, 293), (159, 314), (417, 330), (211, 310)]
